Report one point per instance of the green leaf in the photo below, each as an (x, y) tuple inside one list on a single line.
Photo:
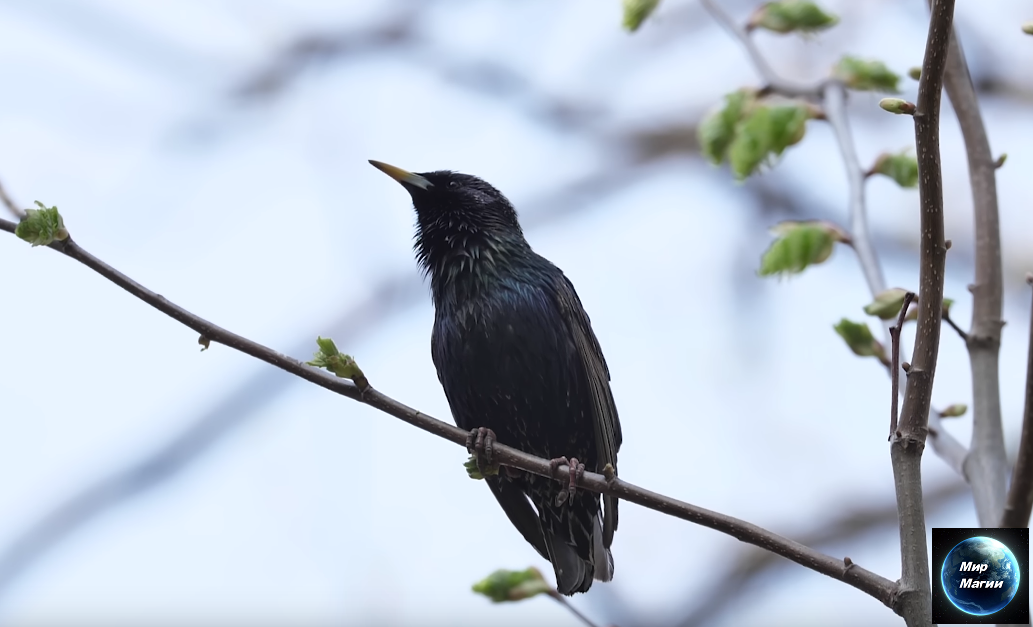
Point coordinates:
[(787, 126), (636, 12), (765, 132), (859, 338), (475, 473), (342, 365), (792, 15), (954, 411), (887, 304), (866, 75), (901, 167), (42, 226), (512, 585), (798, 245), (718, 130)]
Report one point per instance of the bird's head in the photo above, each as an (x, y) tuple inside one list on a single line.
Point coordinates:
[(463, 222)]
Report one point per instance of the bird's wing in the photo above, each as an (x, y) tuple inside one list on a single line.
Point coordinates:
[(519, 511), (607, 424)]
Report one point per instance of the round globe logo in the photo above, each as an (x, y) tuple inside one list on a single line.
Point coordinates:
[(980, 576)]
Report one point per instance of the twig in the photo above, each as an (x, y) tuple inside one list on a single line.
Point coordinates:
[(895, 368), (913, 601), (961, 332), (834, 94), (879, 587), (847, 524), (774, 81), (986, 466), (1020, 495), (562, 600), (13, 208)]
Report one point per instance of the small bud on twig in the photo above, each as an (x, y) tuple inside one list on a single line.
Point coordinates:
[(915, 73), (947, 244), (905, 366), (954, 411), (1028, 28), (898, 106), (1000, 160)]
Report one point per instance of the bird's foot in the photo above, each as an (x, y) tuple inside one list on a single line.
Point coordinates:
[(577, 472), (481, 445)]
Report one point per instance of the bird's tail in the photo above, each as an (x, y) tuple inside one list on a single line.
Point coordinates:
[(573, 574)]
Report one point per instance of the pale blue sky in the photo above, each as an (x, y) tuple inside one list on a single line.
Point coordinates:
[(265, 218)]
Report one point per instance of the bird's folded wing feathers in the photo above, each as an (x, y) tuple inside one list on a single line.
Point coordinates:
[(520, 512), (607, 424)]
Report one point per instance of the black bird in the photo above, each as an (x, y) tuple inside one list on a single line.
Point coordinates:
[(517, 358)]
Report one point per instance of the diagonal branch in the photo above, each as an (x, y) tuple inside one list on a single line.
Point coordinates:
[(848, 524), (773, 80), (879, 587), (7, 202), (1020, 497)]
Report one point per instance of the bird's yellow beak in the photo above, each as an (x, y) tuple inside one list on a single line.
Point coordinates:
[(406, 178)]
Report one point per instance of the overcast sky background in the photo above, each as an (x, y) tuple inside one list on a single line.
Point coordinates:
[(256, 209)]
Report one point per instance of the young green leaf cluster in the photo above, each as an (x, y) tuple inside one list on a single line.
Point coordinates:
[(866, 75), (887, 304), (748, 132), (41, 227), (476, 472), (342, 365), (636, 12), (859, 339), (790, 16), (513, 585), (902, 167), (798, 245)]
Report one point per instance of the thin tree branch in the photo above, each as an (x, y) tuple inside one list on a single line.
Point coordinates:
[(1020, 496), (834, 105), (562, 600), (954, 325), (773, 81), (895, 367), (13, 208), (986, 466), (846, 525), (878, 587), (913, 599)]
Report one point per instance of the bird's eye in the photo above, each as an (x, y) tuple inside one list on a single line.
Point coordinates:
[(453, 184)]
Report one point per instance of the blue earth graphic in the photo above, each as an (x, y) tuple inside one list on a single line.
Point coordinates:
[(1001, 566)]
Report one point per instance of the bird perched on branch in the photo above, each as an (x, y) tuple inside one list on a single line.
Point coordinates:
[(518, 361)]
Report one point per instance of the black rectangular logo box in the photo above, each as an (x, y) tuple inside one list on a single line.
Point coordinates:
[(980, 576)]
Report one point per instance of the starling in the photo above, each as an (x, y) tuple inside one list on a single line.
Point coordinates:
[(517, 358)]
